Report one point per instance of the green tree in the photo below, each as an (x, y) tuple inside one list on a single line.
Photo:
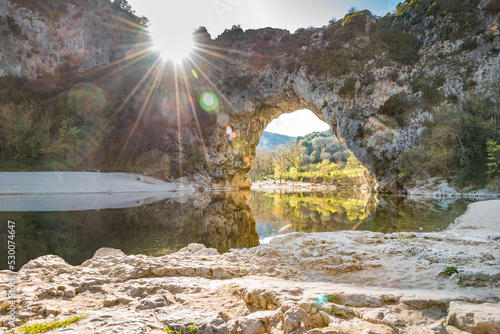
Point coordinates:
[(293, 173), (125, 6), (352, 163), (280, 170), (492, 157), (25, 131), (68, 141)]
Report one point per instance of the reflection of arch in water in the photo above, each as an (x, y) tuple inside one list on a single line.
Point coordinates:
[(222, 221), (227, 223)]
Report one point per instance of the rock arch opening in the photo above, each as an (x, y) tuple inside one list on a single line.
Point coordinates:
[(298, 146), (232, 155)]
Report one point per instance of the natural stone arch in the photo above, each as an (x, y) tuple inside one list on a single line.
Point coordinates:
[(253, 92), (273, 72), (250, 111)]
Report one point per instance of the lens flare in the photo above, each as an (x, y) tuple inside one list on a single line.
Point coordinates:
[(193, 72), (209, 101), (86, 99), (285, 227)]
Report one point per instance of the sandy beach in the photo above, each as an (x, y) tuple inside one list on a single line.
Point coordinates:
[(14, 183), (75, 191)]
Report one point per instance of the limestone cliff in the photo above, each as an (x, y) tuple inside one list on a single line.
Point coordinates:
[(430, 53), (40, 38)]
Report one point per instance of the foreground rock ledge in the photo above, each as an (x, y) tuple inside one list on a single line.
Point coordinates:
[(342, 282)]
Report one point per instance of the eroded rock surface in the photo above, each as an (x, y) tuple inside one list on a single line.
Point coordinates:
[(342, 282)]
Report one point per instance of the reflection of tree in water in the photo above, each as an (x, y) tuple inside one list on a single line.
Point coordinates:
[(310, 212), (323, 212), (222, 221)]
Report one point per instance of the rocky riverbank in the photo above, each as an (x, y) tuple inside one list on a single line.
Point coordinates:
[(338, 282)]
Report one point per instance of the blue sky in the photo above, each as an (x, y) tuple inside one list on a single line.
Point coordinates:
[(216, 15)]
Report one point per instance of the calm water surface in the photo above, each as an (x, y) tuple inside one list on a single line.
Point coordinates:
[(222, 221)]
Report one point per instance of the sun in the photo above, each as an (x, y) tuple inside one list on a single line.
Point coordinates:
[(172, 44)]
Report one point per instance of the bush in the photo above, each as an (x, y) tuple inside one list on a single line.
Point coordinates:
[(430, 92), (348, 88), (469, 45), (493, 7), (352, 24), (393, 76), (396, 106), (434, 157), (25, 131), (459, 144), (402, 46)]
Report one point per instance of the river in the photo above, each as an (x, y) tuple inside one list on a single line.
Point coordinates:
[(223, 221)]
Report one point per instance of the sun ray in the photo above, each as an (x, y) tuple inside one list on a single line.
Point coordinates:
[(141, 112), (133, 91), (144, 53), (355, 227), (111, 117), (172, 45), (253, 54), (131, 62), (221, 70), (191, 103), (121, 19), (179, 134), (141, 31), (217, 55)]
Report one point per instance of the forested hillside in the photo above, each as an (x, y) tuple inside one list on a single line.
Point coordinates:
[(269, 140), (317, 157)]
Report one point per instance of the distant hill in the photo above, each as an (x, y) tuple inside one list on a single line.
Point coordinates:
[(269, 140)]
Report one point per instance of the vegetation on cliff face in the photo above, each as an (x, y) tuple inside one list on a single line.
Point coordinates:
[(459, 144)]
